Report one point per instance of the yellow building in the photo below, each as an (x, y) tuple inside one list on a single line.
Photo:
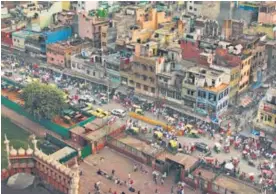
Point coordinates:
[(245, 71), (267, 111), (151, 19)]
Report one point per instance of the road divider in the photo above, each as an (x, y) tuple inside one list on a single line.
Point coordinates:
[(151, 121)]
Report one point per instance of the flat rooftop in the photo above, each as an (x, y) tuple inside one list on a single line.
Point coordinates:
[(140, 145), (217, 89), (23, 33), (208, 72), (62, 153), (186, 160), (234, 185)]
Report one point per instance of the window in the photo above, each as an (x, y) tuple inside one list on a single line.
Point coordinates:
[(52, 59), (146, 88), (103, 44), (152, 90), (226, 92), (94, 73), (212, 97), (178, 95), (262, 116), (220, 96), (195, 9), (73, 65), (213, 82), (88, 71), (269, 118), (103, 35), (138, 85), (202, 94), (191, 8)]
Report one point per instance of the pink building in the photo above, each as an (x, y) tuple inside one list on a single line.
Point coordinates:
[(59, 54), (90, 27), (267, 13)]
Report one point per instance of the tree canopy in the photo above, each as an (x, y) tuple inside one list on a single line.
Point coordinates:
[(43, 101)]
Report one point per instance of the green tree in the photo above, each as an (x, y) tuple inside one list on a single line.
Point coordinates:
[(43, 101)]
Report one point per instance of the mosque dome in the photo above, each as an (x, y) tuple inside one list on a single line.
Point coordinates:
[(29, 151), (21, 152), (13, 152)]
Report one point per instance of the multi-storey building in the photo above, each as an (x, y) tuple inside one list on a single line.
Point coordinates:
[(19, 37), (37, 44), (202, 89), (252, 45), (267, 13), (212, 93), (59, 54), (201, 51), (151, 19), (232, 28), (271, 54), (266, 118), (112, 64), (141, 74), (194, 7), (231, 66), (90, 26), (170, 76), (85, 5), (207, 27), (88, 64), (108, 37)]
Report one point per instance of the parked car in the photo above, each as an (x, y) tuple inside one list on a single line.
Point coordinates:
[(118, 112), (202, 147)]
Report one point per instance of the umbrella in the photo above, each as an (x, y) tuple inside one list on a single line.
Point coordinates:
[(229, 166), (20, 181)]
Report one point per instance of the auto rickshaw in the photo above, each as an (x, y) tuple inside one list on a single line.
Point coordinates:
[(158, 135), (173, 144), (139, 111), (134, 130), (193, 133), (188, 127), (217, 147)]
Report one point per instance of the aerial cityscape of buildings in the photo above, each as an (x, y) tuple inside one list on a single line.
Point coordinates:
[(161, 97)]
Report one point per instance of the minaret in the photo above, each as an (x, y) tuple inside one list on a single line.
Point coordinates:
[(34, 141), (74, 188), (7, 142)]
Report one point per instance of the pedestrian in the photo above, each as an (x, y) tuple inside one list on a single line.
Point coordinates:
[(135, 168), (172, 190), (156, 190), (162, 181), (129, 175), (138, 192), (113, 172)]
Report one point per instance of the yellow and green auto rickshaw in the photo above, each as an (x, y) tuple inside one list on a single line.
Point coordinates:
[(139, 111), (173, 144), (158, 135)]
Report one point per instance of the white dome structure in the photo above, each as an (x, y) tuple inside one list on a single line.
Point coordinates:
[(13, 152), (21, 151), (29, 151)]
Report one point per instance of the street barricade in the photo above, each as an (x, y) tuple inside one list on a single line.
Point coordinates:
[(151, 121)]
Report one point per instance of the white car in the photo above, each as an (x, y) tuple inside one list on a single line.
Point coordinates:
[(118, 112)]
